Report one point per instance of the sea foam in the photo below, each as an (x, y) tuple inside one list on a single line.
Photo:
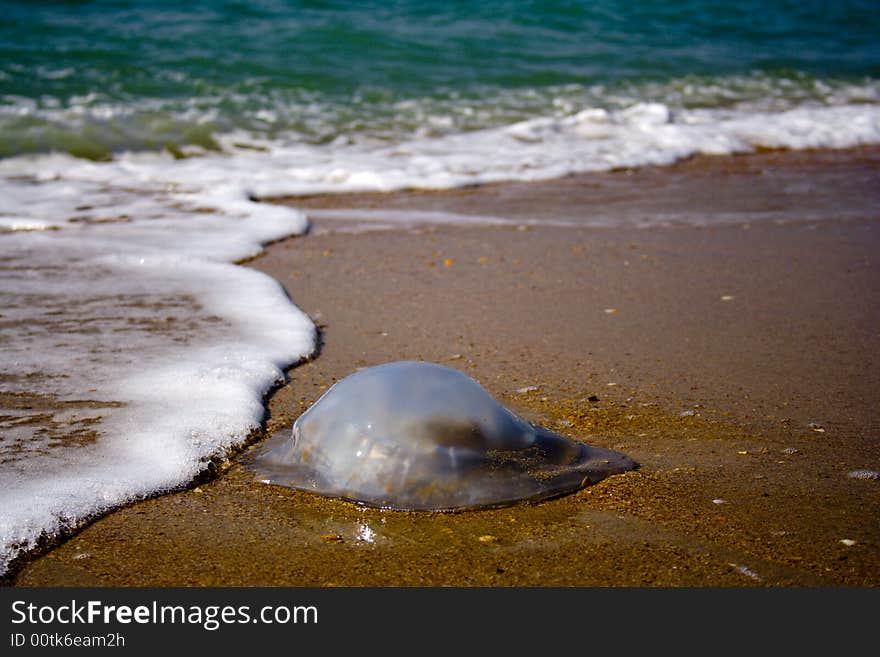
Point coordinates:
[(593, 139), (134, 350)]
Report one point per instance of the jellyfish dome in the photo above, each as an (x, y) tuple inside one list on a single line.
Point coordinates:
[(420, 436)]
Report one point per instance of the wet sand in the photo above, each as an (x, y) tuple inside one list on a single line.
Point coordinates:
[(736, 363)]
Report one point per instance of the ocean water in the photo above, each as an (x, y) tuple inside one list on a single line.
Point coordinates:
[(136, 139)]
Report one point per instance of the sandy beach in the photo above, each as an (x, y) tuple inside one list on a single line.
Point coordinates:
[(734, 358)]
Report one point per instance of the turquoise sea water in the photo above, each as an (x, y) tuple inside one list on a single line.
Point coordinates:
[(95, 78)]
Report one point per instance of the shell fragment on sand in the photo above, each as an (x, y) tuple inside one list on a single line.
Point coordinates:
[(863, 474)]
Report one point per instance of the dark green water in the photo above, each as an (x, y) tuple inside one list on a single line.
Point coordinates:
[(94, 78)]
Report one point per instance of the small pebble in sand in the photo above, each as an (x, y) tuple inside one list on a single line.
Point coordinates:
[(487, 538), (331, 538), (82, 555), (727, 297), (816, 427), (789, 450), (687, 413), (848, 542), (718, 500), (610, 311), (593, 398), (527, 389), (863, 474)]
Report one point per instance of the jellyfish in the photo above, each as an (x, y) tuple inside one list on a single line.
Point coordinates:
[(420, 436)]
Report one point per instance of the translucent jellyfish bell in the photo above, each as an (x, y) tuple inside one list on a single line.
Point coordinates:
[(420, 436)]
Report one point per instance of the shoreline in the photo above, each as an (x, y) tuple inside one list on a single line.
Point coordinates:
[(757, 187), (517, 308)]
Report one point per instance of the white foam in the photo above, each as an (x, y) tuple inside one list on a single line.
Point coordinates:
[(543, 148), (149, 352), (588, 140)]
